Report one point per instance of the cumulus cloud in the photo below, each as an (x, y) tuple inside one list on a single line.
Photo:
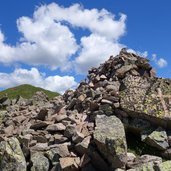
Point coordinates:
[(34, 77), (47, 38), (97, 21), (161, 62), (95, 50)]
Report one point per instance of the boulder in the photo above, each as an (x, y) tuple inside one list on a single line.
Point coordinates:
[(53, 156), (39, 162), (124, 69), (109, 136), (165, 166), (69, 163), (11, 156), (147, 98), (56, 127), (2, 116), (62, 150), (157, 139), (82, 147), (42, 114)]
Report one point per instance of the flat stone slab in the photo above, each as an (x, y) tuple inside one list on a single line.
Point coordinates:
[(148, 98)]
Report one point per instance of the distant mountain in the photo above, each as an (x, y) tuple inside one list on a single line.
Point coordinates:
[(26, 91)]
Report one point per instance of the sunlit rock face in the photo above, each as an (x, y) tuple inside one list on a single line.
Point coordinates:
[(148, 98)]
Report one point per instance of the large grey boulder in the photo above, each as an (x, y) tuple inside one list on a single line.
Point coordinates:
[(11, 156), (147, 98), (40, 162), (157, 139), (109, 136)]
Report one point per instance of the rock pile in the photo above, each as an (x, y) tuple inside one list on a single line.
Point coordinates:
[(86, 129)]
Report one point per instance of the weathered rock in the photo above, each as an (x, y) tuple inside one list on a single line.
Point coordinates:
[(62, 150), (107, 109), (42, 114), (130, 159), (165, 166), (56, 127), (70, 163), (2, 116), (70, 130), (109, 135), (40, 138), (39, 125), (82, 147), (77, 137), (123, 70), (137, 125), (147, 98), (11, 156), (59, 138), (145, 161), (53, 156), (97, 160), (158, 139), (40, 162), (59, 118), (21, 101), (39, 146), (39, 96)]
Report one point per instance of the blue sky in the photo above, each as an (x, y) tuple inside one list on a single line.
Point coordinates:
[(84, 35)]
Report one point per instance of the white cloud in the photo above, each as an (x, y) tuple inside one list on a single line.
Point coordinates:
[(47, 38), (97, 21), (161, 62), (34, 77), (50, 45), (95, 50)]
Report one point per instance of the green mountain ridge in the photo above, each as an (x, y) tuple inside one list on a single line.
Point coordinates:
[(26, 91)]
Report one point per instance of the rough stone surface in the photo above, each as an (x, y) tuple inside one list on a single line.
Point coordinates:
[(11, 156), (40, 162), (158, 139), (164, 166), (111, 140), (147, 98), (69, 163)]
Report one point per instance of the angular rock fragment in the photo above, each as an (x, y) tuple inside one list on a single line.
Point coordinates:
[(82, 147), (11, 156), (109, 135), (158, 139), (39, 125), (62, 150), (42, 114), (39, 162), (164, 166), (56, 127), (69, 163)]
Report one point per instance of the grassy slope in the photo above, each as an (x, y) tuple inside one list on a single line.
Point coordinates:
[(26, 91)]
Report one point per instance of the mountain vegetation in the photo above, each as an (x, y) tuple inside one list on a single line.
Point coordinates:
[(26, 91)]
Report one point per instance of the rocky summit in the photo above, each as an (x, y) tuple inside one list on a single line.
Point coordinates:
[(118, 119)]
